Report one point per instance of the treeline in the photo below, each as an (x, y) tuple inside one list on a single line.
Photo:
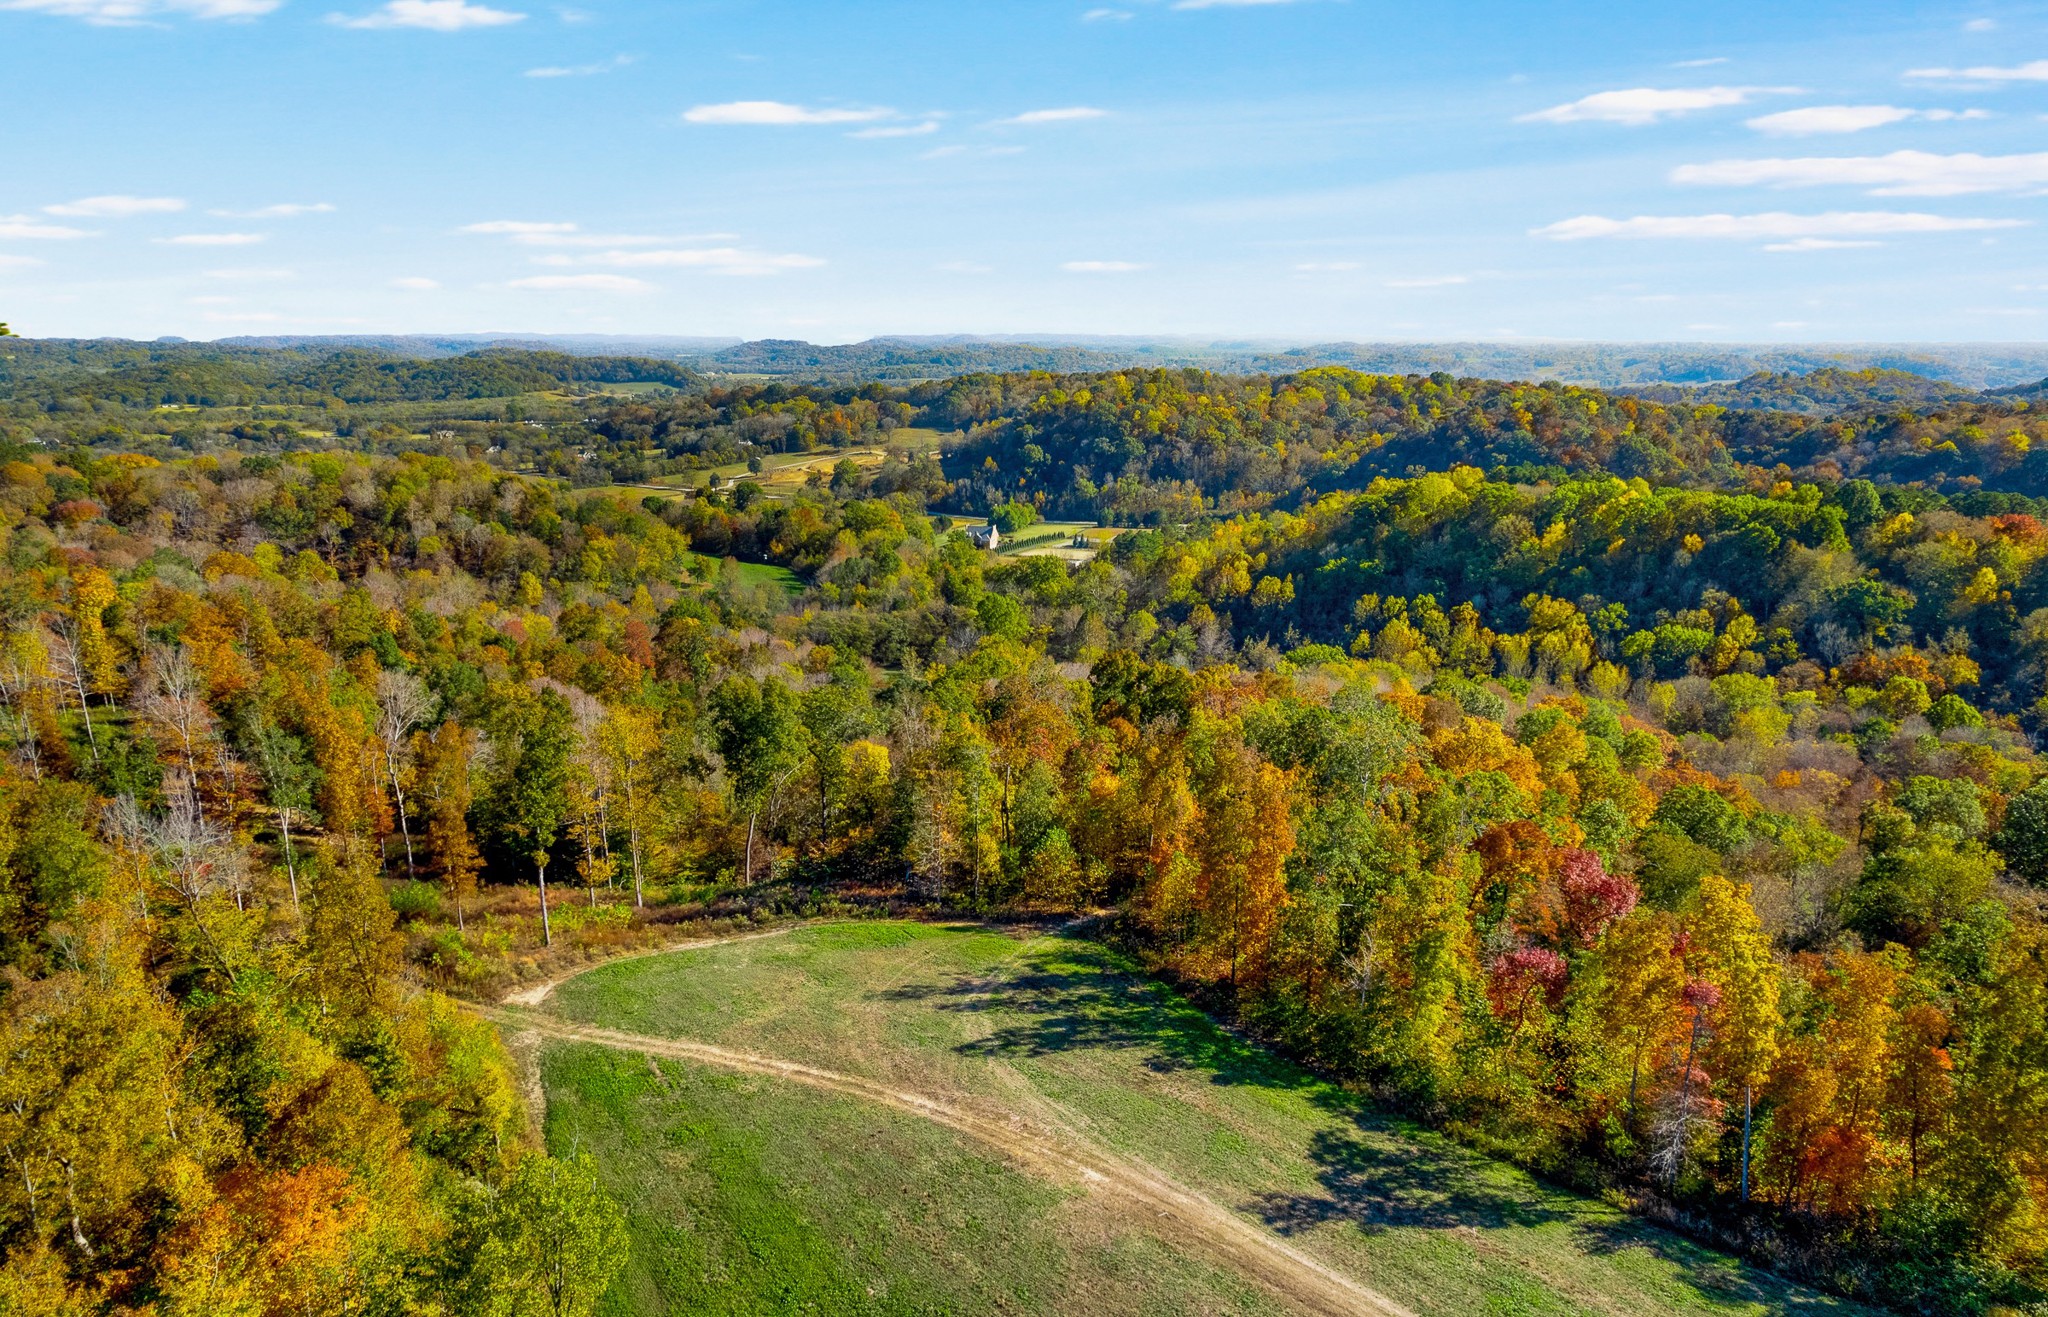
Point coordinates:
[(148, 376)]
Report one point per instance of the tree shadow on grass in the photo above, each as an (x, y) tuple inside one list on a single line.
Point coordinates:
[(1075, 996), (1375, 1171), (1377, 1184)]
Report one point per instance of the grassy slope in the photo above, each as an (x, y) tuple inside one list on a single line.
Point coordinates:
[(1073, 1037), (749, 1195)]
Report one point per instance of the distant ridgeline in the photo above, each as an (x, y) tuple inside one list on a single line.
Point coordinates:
[(1055, 427)]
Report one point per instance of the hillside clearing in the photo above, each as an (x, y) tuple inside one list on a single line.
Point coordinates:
[(1062, 1055)]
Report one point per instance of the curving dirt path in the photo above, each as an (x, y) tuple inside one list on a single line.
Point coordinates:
[(1226, 1237), (538, 993)]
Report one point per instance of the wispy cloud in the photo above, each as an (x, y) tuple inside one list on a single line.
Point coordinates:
[(611, 65), (214, 239), (116, 207), (929, 126), (1899, 174), (1327, 267), (1820, 244), (282, 210), (2031, 71), (128, 13), (416, 284), (269, 275), (1776, 225), (25, 227), (1645, 105), (583, 283), (779, 114), (1430, 281), (1107, 16), (432, 15), (18, 262), (1706, 63), (1102, 267), (540, 233), (1813, 120), (1227, 4), (1062, 114), (718, 260)]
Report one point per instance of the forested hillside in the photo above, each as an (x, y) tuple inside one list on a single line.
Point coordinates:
[(1643, 792)]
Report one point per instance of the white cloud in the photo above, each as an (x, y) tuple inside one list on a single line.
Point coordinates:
[(778, 114), (611, 65), (2031, 71), (1642, 105), (1064, 114), (1226, 4), (18, 262), (23, 226), (1330, 267), (415, 284), (214, 239), (964, 267), (127, 13), (433, 15), (898, 130), (1102, 267), (1706, 63), (583, 283), (1820, 244), (116, 207), (1773, 225), (253, 275), (1815, 119), (1430, 281), (1981, 25), (1828, 119), (1107, 16), (720, 260), (282, 210), (1899, 174)]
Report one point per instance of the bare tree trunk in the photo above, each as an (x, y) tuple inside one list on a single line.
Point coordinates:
[(1748, 1110), (748, 879), (547, 932), (291, 869), (404, 820), (78, 683)]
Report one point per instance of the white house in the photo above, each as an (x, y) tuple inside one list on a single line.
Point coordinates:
[(984, 537)]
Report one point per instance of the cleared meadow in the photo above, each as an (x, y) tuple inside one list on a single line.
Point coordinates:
[(750, 1188)]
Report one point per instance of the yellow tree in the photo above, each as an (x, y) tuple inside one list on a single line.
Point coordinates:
[(446, 788), (629, 737), (1734, 955)]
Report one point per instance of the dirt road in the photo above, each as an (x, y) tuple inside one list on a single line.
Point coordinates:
[(538, 993), (1220, 1233)]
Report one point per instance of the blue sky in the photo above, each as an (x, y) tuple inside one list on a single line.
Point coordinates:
[(1314, 169)]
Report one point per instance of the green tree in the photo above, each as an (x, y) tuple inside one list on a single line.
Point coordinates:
[(534, 736), (760, 736), (2023, 839), (553, 1242)]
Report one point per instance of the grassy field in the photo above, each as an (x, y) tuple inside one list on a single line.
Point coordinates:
[(768, 573), (748, 1195)]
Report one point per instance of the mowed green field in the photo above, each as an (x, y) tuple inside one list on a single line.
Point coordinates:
[(750, 1193)]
